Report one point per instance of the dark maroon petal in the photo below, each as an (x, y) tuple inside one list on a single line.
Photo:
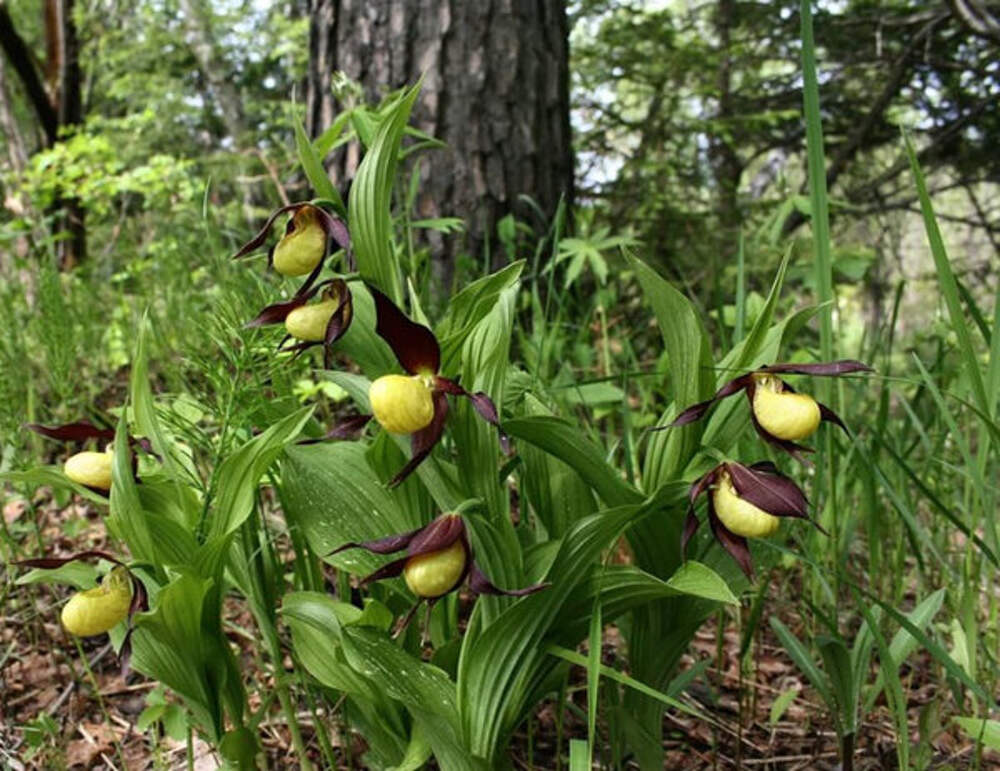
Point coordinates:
[(307, 289), (841, 367), (765, 466), (699, 485), (258, 240), (423, 441), (439, 534), (387, 545), (296, 348), (390, 570), (334, 228), (140, 601), (51, 563), (481, 401), (415, 346), (348, 429), (339, 323), (795, 450), (480, 584), (690, 527), (80, 431), (830, 416), (771, 492), (736, 545), (696, 411), (276, 313)]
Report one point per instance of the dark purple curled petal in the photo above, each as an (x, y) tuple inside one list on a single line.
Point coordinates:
[(340, 320), (81, 431), (481, 401), (768, 491), (277, 312), (388, 545), (736, 545), (389, 570), (415, 346), (825, 413), (423, 441), (828, 368), (349, 428), (334, 228), (258, 240), (439, 534), (697, 411), (480, 584), (51, 563), (690, 528)]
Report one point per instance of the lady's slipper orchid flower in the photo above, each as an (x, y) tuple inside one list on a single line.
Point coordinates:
[(317, 323), (87, 468), (438, 558), (303, 247), (745, 502), (780, 415), (414, 403), (92, 612)]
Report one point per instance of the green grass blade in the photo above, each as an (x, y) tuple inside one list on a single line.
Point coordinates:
[(949, 287)]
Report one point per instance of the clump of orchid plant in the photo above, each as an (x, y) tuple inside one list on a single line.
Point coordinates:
[(438, 559), (780, 415), (745, 502)]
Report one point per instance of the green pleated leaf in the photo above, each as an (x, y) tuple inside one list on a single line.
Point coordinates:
[(498, 662), (567, 443), (334, 496), (370, 200), (690, 375), (239, 474), (167, 645), (312, 165), (127, 518)]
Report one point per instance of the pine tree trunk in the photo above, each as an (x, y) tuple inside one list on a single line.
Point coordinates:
[(496, 90)]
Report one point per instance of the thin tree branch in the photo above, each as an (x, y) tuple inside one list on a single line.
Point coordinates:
[(20, 59)]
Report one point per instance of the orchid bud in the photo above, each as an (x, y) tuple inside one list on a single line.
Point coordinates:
[(436, 573), (784, 414), (95, 611), (92, 469), (303, 246), (402, 404), (738, 515)]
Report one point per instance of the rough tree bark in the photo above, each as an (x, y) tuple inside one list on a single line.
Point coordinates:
[(496, 90)]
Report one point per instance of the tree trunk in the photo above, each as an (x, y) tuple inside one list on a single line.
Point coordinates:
[(496, 90), (64, 65)]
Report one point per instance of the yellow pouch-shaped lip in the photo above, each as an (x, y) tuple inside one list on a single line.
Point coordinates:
[(308, 322), (436, 573), (301, 250), (92, 469), (402, 404), (95, 611), (786, 415)]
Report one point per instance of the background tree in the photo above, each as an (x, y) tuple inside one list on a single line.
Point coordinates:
[(694, 115), (495, 91)]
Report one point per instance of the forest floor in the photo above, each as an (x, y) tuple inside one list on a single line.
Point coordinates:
[(64, 706)]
